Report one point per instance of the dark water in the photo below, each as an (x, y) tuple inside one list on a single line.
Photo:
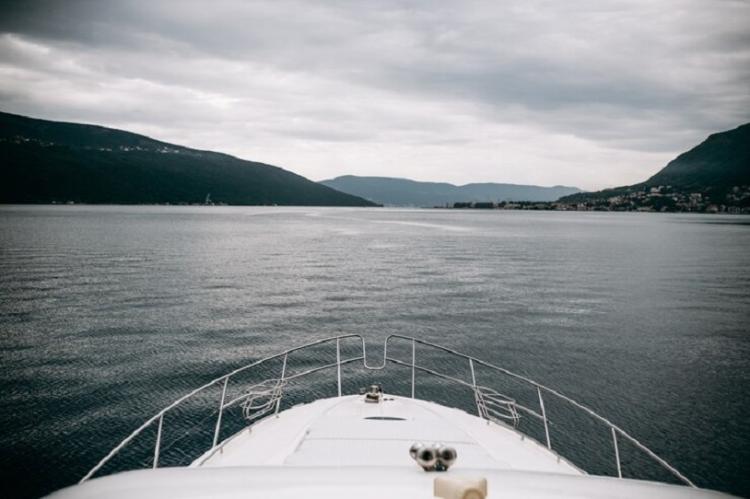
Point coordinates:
[(108, 313)]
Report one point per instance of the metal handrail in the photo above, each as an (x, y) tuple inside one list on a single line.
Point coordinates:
[(615, 429), (495, 406), (485, 398), (160, 415), (261, 398)]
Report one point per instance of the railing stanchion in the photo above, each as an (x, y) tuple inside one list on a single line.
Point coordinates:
[(221, 411), (544, 416), (617, 452), (338, 366), (474, 385), (158, 442), (413, 364), (283, 373), (488, 401)]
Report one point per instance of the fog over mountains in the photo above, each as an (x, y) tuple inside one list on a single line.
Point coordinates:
[(404, 192)]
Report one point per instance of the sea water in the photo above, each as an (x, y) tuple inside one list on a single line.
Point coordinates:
[(109, 313)]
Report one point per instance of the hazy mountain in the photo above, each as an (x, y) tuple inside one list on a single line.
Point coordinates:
[(404, 192), (714, 168), (47, 161)]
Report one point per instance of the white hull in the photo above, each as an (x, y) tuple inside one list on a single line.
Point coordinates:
[(333, 448)]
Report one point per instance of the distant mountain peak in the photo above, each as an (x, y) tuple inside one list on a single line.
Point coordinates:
[(716, 172), (720, 161), (407, 192)]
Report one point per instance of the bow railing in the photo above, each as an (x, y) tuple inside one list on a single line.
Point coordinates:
[(263, 398)]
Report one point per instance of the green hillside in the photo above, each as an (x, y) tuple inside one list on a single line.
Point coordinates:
[(46, 161), (720, 162), (713, 174)]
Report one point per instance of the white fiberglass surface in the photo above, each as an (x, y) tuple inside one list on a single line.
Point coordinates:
[(342, 432)]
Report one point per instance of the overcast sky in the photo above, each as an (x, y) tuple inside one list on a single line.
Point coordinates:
[(578, 92)]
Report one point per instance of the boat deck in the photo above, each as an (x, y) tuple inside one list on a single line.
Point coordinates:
[(342, 448), (345, 447), (347, 431)]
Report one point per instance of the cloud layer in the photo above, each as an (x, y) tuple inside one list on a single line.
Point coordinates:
[(585, 93)]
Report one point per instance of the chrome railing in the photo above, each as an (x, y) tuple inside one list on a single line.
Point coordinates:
[(264, 398), (494, 406)]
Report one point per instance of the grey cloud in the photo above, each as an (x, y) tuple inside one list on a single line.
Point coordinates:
[(631, 77)]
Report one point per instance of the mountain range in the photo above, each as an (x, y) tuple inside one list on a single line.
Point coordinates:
[(47, 161), (404, 192)]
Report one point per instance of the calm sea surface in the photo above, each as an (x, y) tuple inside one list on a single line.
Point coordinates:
[(109, 313)]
